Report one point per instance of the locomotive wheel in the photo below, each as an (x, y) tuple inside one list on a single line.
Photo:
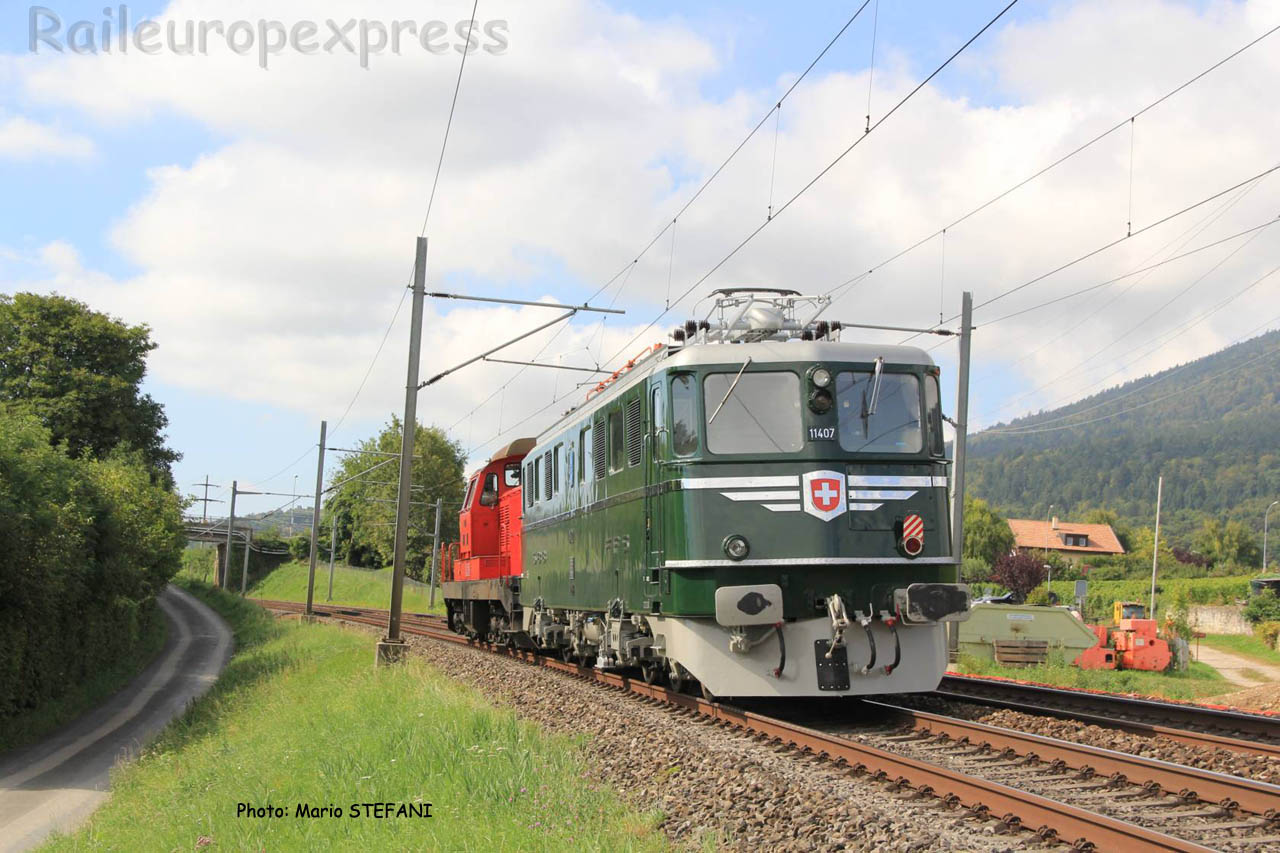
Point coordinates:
[(678, 678), (651, 671)]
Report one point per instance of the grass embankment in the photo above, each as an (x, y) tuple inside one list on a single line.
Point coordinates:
[(1199, 681), (301, 716), (1244, 645), (356, 587), (31, 726)]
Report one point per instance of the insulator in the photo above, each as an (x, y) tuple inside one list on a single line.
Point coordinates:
[(704, 325), (690, 328), (678, 334), (823, 329), (806, 335), (835, 325)]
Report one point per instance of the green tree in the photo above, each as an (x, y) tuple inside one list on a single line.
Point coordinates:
[(79, 372), (1226, 543), (987, 536), (365, 502)]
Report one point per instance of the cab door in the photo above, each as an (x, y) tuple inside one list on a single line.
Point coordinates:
[(657, 441)]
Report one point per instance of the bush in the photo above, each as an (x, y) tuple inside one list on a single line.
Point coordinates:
[(1269, 633), (1040, 596), (85, 546), (1264, 607), (1019, 573), (975, 570), (300, 546), (1177, 617)]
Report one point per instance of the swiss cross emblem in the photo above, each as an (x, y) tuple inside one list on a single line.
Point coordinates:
[(824, 494)]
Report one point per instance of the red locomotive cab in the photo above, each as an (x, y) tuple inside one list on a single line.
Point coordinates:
[(489, 524)]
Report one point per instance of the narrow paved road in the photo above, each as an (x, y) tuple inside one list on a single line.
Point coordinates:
[(1241, 670), (57, 783)]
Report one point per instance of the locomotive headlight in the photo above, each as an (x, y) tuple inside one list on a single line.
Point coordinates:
[(736, 547), (820, 401), (821, 377)]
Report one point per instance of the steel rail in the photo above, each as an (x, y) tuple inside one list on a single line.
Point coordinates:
[(1186, 736), (1014, 807), (1226, 790), (1106, 708)]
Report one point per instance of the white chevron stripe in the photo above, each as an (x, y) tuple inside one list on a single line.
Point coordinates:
[(901, 482), (762, 496), (738, 482), (880, 494), (857, 507), (783, 507)]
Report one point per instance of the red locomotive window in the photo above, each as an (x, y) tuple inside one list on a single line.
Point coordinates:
[(489, 495)]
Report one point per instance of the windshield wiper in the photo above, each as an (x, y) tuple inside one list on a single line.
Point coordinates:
[(728, 393), (869, 406)]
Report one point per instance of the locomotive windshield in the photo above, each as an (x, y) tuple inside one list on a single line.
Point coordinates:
[(762, 415), (894, 426)]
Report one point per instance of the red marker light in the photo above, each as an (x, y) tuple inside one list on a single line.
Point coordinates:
[(912, 542)]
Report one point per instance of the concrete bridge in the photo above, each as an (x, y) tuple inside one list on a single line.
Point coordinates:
[(216, 532)]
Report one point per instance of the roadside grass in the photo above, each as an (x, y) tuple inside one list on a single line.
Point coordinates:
[(1244, 645), (31, 726), (1199, 681), (356, 587), (301, 716)]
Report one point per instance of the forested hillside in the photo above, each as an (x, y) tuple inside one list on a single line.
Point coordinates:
[(1211, 427)]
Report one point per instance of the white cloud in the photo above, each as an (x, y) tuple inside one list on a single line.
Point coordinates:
[(24, 139), (278, 257)]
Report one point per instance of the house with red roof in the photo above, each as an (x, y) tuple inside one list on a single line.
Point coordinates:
[(1073, 541)]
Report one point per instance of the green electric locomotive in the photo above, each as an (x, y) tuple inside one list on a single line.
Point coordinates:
[(759, 508)]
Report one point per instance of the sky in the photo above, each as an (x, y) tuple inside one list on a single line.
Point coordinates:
[(261, 220)]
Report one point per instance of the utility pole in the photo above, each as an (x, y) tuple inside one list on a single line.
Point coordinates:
[(1266, 517), (961, 424), (333, 548), (206, 500), (231, 524), (1155, 550), (1048, 536), (244, 571), (315, 518), (435, 551), (392, 647)]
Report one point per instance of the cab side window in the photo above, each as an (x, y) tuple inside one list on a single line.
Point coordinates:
[(489, 494), (684, 415), (933, 410)]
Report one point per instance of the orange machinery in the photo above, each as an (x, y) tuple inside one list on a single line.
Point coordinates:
[(1131, 644)]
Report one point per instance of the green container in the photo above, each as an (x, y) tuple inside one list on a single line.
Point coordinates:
[(1009, 623)]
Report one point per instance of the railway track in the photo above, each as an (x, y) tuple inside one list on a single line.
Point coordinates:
[(1196, 725), (990, 772)]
